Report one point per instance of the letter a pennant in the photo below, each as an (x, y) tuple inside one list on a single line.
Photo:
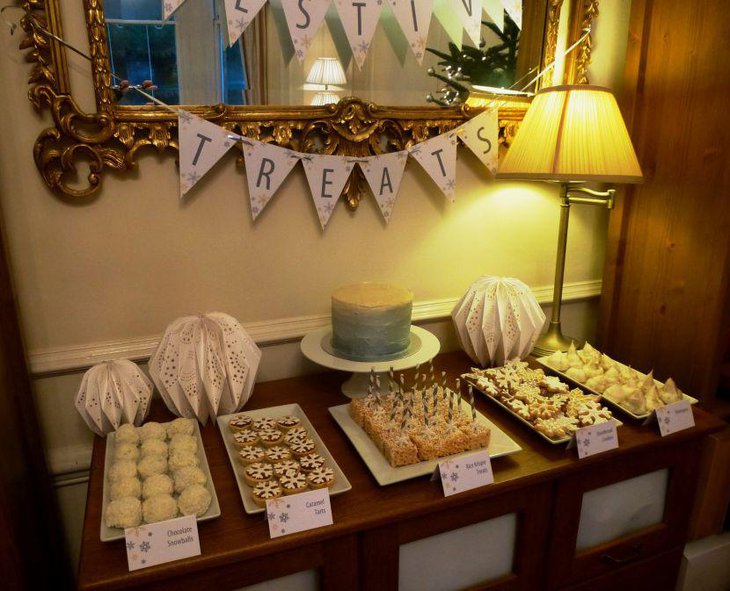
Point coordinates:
[(359, 19), (384, 174), (240, 14), (414, 18), (326, 176), (266, 168), (304, 17), (437, 156), (481, 136), (202, 144)]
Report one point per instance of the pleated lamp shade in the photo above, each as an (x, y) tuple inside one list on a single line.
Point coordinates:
[(327, 71), (325, 98), (572, 133)]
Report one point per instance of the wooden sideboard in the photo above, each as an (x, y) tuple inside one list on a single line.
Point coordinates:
[(542, 486)]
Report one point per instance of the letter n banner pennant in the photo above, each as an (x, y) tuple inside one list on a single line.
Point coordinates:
[(202, 144), (384, 174), (266, 168), (326, 176)]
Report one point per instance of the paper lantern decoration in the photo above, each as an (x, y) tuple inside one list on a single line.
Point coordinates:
[(113, 393), (205, 366), (497, 319)]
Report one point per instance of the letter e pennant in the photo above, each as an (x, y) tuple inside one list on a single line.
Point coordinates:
[(481, 135), (240, 14), (384, 174), (266, 168), (326, 176), (437, 156)]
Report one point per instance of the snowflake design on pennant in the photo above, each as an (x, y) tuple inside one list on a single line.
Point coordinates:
[(454, 477), (284, 517), (130, 545), (145, 547), (271, 516), (363, 47), (450, 185), (185, 117), (192, 177)]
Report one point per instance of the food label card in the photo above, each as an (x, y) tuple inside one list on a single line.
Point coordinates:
[(466, 472), (295, 513), (596, 439), (164, 541), (675, 417)]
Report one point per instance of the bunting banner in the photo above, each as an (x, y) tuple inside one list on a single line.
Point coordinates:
[(481, 135), (326, 176), (239, 14), (359, 19), (470, 15), (303, 18), (437, 157), (444, 12), (384, 174), (414, 18), (514, 9), (170, 6), (495, 11), (267, 166), (202, 144)]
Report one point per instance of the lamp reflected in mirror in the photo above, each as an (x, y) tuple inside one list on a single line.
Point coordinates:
[(326, 77)]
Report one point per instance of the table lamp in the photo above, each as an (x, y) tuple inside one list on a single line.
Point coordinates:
[(326, 72), (571, 134)]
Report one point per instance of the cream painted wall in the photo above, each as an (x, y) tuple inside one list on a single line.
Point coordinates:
[(126, 263)]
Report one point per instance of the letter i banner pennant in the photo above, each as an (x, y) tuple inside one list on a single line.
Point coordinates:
[(304, 17), (326, 176), (437, 156), (240, 14), (384, 174), (470, 15), (414, 18), (514, 9), (266, 168), (202, 144), (170, 6), (359, 18), (481, 136)]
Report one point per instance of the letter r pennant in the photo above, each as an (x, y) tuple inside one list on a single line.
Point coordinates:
[(266, 168)]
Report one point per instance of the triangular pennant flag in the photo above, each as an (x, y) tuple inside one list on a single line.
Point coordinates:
[(359, 19), (202, 144), (266, 168), (514, 9), (449, 22), (170, 6), (326, 176), (240, 14), (414, 18), (437, 156), (481, 135), (304, 19), (470, 15), (495, 10), (384, 174)]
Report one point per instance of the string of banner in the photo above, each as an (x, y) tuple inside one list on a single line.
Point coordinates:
[(203, 143)]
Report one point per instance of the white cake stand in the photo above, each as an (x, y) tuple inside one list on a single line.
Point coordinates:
[(315, 346)]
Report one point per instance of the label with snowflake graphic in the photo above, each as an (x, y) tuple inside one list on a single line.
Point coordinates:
[(294, 513), (465, 472), (164, 541), (675, 417), (596, 439)]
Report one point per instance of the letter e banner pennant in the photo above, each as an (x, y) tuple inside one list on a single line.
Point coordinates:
[(326, 176), (240, 14), (266, 168), (437, 156), (304, 17), (384, 174), (414, 18), (202, 144), (359, 18), (481, 135)]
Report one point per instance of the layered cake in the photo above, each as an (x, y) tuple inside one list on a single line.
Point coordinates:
[(371, 321)]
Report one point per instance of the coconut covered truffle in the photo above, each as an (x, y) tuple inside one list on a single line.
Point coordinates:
[(180, 426), (180, 459), (159, 508), (125, 487), (153, 447), (187, 476), (183, 443), (152, 430), (157, 484), (150, 465), (126, 451), (124, 512), (122, 469), (194, 500), (126, 434)]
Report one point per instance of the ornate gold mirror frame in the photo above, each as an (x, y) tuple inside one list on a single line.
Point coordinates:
[(111, 137)]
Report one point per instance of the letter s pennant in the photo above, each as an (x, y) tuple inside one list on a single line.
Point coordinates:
[(266, 168), (481, 136)]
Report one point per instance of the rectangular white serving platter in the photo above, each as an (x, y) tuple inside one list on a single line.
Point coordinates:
[(109, 534), (500, 444), (543, 361), (341, 483)]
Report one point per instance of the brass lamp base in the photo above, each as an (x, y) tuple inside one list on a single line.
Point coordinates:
[(553, 340)]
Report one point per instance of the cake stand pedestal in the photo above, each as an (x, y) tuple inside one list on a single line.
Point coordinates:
[(316, 347)]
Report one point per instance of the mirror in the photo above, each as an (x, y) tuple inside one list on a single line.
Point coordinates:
[(111, 137)]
